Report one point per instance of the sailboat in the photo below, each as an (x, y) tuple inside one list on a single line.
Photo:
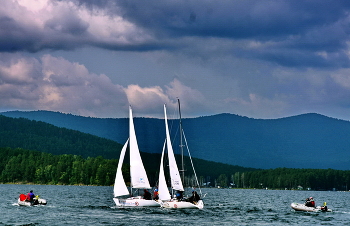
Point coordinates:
[(176, 182), (138, 174)]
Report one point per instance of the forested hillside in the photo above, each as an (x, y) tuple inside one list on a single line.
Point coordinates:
[(40, 136), (63, 156), (68, 153), (303, 141)]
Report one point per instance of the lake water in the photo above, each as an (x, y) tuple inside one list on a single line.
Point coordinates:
[(89, 205)]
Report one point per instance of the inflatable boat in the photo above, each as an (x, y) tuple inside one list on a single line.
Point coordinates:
[(302, 207), (22, 201)]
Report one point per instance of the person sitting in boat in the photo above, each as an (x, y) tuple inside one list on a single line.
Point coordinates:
[(324, 208), (310, 202), (179, 195), (194, 198), (147, 195), (30, 196), (156, 194), (307, 202)]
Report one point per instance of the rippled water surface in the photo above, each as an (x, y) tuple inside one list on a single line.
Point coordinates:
[(85, 205)]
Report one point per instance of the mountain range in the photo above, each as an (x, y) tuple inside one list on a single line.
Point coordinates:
[(303, 141)]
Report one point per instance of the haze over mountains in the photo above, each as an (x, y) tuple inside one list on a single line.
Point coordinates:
[(303, 141)]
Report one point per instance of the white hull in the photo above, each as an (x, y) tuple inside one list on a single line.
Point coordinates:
[(34, 203), (302, 207), (174, 204), (136, 202)]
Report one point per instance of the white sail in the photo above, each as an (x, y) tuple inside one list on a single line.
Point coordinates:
[(137, 170), (176, 182), (137, 173), (193, 202), (162, 186), (119, 183)]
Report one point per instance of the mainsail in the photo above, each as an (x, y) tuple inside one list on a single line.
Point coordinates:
[(137, 173), (137, 170)]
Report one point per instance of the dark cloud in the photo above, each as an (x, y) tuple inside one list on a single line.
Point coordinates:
[(302, 28), (14, 37), (67, 24), (295, 30), (264, 58), (233, 19)]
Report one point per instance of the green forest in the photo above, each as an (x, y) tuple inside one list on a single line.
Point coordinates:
[(44, 137), (65, 156), (24, 166), (40, 153), (314, 179), (286, 178)]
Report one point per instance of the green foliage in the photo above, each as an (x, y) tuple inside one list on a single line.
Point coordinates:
[(23, 166), (222, 180), (284, 178)]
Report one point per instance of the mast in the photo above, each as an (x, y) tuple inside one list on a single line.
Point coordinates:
[(182, 170), (176, 182)]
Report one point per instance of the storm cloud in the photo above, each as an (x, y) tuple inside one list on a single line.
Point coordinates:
[(262, 59)]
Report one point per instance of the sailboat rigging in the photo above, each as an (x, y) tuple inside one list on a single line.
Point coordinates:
[(139, 179), (176, 182)]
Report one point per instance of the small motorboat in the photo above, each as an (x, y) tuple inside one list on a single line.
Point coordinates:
[(303, 207), (22, 201)]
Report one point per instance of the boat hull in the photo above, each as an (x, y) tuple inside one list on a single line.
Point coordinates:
[(136, 202), (302, 207), (34, 203), (174, 204)]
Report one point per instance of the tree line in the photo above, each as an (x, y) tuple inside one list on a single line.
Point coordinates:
[(24, 166), (287, 178)]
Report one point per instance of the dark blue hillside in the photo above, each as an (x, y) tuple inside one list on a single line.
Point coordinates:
[(303, 141)]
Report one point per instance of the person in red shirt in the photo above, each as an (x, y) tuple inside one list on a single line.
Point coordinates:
[(155, 194), (310, 202)]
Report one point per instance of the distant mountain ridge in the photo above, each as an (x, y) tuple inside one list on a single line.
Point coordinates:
[(44, 137), (303, 141), (36, 151)]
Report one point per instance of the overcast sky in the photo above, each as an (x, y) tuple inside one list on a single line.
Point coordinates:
[(261, 59)]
